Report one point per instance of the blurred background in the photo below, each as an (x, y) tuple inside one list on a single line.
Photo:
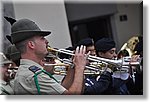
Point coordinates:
[(71, 21)]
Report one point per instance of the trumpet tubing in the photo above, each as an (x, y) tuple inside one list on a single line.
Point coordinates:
[(118, 63), (101, 65), (59, 64), (61, 69), (12, 71), (92, 69), (63, 72), (85, 73)]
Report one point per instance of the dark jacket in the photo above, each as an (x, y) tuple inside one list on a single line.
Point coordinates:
[(105, 85), (93, 87)]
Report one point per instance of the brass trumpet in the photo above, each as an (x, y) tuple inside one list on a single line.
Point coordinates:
[(125, 61), (93, 68), (101, 63), (12, 71), (61, 68)]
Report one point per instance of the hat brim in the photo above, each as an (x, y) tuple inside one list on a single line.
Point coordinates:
[(6, 62), (23, 35)]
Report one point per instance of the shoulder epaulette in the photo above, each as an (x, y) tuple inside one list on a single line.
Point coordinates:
[(34, 69)]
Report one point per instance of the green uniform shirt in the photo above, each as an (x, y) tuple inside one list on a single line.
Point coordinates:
[(6, 88), (24, 80)]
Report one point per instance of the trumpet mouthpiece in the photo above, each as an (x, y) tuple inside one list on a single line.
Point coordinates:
[(51, 49)]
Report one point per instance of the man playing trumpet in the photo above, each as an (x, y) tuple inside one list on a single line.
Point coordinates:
[(31, 78), (105, 83)]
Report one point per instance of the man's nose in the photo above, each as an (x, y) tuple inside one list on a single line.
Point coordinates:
[(115, 55), (46, 41)]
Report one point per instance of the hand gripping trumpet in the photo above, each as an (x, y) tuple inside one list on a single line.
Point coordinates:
[(125, 61)]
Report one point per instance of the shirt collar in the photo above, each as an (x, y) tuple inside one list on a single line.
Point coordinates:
[(29, 63)]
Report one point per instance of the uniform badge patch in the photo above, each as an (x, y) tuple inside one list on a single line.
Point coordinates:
[(34, 68)]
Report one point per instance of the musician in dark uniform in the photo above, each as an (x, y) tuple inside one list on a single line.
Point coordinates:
[(136, 86), (106, 83)]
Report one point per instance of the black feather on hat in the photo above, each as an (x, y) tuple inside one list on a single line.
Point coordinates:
[(10, 20), (9, 38)]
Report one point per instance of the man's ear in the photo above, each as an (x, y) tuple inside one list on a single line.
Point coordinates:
[(31, 44)]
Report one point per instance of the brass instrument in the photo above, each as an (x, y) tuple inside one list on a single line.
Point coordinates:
[(101, 63), (12, 70), (61, 68), (129, 46), (118, 63)]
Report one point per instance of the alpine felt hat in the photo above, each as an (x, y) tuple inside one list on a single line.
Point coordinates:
[(24, 29), (4, 60), (12, 53)]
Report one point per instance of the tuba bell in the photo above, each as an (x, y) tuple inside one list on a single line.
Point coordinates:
[(128, 48)]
